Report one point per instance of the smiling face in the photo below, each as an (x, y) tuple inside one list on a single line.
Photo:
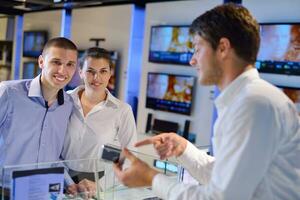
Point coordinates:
[(58, 67), (205, 61), (95, 74)]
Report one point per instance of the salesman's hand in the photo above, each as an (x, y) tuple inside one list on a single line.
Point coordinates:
[(139, 174), (166, 144)]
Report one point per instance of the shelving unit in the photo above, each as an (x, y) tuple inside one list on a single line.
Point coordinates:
[(5, 59)]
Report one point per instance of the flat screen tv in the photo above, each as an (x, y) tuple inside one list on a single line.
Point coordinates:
[(279, 51), (170, 44), (34, 42), (169, 92)]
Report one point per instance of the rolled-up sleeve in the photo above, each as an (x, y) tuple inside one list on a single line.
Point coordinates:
[(197, 162), (243, 159)]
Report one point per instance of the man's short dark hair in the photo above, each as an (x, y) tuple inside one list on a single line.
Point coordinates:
[(233, 22), (60, 42), (97, 53)]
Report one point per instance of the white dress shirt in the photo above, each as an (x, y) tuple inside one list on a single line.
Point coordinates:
[(256, 145), (111, 121)]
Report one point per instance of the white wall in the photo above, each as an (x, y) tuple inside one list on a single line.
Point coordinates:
[(46, 20), (276, 11), (110, 22), (176, 13)]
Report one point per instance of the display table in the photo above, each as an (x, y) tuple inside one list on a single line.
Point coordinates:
[(44, 181)]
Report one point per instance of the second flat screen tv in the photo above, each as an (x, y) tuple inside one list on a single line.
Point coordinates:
[(169, 92), (279, 51), (170, 44)]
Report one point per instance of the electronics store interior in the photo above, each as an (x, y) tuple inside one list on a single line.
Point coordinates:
[(149, 99)]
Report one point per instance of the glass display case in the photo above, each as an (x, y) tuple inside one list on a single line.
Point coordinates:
[(52, 181)]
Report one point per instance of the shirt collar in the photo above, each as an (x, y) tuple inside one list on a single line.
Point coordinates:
[(233, 89), (110, 99), (35, 89)]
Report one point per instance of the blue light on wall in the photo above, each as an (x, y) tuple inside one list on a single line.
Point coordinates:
[(66, 23), (135, 57), (18, 47)]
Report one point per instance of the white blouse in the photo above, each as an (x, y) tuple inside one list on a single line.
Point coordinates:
[(111, 121)]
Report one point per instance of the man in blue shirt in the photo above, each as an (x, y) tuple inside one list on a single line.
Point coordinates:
[(34, 113)]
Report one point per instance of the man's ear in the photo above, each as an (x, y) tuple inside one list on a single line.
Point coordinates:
[(224, 47), (41, 61)]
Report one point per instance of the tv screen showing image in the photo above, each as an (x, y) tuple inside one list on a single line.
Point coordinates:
[(34, 42), (169, 92), (170, 44), (279, 51)]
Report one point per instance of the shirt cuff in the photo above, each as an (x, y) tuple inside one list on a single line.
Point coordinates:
[(68, 180), (162, 184), (189, 151)]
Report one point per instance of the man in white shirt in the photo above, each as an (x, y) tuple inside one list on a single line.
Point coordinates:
[(257, 133)]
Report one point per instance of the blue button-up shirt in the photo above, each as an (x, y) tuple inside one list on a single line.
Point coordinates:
[(29, 131)]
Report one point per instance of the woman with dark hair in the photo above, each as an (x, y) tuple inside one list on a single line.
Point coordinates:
[(98, 117)]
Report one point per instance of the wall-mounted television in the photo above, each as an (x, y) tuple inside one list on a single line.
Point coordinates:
[(169, 92), (170, 44), (34, 42), (279, 51)]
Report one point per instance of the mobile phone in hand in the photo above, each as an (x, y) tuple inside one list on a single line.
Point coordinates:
[(112, 153)]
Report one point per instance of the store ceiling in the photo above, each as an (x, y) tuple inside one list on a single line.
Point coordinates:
[(16, 7)]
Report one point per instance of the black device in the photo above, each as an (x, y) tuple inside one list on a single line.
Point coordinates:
[(186, 129), (111, 153), (149, 123), (97, 41), (160, 126)]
